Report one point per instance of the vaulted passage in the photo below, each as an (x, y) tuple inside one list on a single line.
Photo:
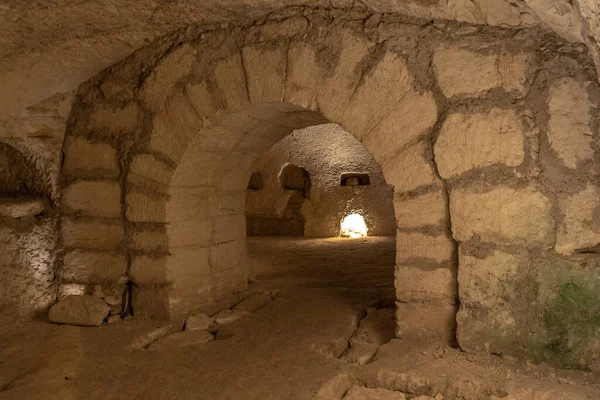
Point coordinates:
[(369, 205)]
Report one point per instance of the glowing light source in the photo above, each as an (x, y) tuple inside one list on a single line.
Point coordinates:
[(353, 226)]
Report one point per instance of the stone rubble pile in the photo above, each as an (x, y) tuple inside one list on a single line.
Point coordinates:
[(200, 328)]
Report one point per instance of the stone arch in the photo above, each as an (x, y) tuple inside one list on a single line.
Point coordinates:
[(185, 139)]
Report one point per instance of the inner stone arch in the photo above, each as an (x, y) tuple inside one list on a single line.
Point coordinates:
[(325, 152), (204, 213)]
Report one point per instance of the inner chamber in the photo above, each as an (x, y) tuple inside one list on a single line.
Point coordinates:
[(302, 194)]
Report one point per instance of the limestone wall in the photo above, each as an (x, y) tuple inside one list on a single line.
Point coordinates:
[(326, 152), (28, 239), (489, 137)]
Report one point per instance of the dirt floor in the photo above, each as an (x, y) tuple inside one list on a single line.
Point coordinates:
[(328, 310)]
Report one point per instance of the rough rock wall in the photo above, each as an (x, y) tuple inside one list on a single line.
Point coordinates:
[(28, 238), (325, 151), (474, 127)]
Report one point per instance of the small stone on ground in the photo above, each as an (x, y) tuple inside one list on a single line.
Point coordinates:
[(360, 354), (142, 341)]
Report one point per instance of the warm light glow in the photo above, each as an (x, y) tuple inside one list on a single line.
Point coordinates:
[(353, 226)]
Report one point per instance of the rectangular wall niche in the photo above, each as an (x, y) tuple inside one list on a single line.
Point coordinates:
[(354, 179)]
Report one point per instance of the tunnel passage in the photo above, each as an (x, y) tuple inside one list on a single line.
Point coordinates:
[(325, 153), (469, 130)]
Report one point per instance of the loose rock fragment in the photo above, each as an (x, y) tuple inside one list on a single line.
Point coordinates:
[(144, 340), (198, 322), (82, 310), (228, 316), (253, 302), (113, 318), (360, 354), (182, 339)]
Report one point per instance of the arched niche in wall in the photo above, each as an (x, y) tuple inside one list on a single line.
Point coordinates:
[(355, 179), (293, 177), (256, 181)]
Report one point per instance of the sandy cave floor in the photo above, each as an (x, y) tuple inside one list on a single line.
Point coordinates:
[(293, 348)]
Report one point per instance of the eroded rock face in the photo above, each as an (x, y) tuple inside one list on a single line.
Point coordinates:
[(462, 71), (198, 322), (519, 215), (468, 141), (569, 130), (82, 310), (487, 292), (564, 328), (580, 229)]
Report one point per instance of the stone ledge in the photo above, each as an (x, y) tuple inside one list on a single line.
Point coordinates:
[(18, 207)]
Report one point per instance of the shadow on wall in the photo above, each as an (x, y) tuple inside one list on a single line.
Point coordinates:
[(326, 152), (295, 183)]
